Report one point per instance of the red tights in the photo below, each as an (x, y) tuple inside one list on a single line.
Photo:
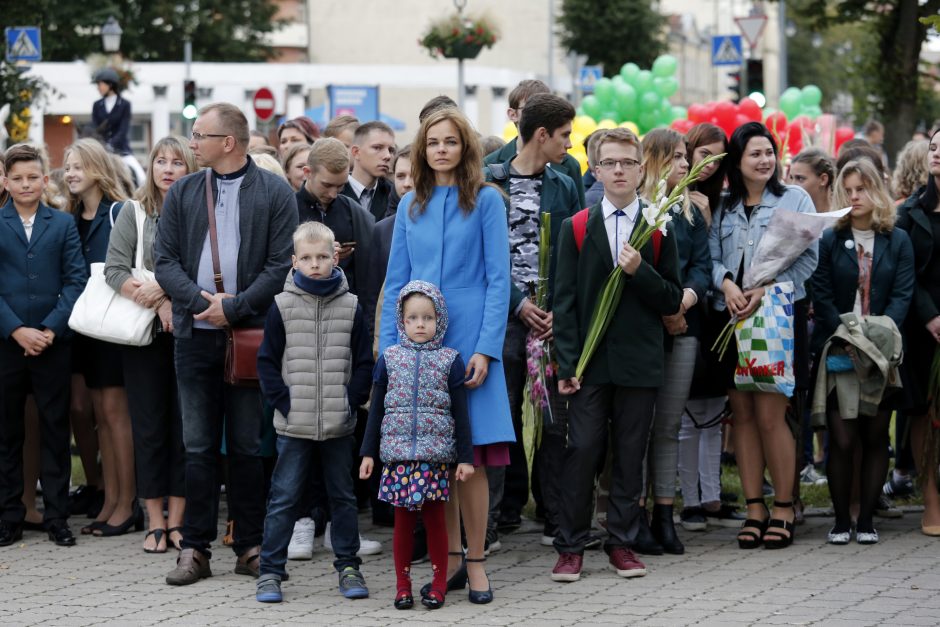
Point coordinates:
[(404, 539)]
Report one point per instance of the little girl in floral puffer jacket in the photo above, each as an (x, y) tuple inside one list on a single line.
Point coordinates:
[(419, 426)]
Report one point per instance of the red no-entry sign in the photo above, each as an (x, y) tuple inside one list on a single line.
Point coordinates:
[(264, 104)]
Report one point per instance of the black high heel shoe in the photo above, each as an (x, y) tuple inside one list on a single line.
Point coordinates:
[(749, 539), (457, 581), (780, 541), (135, 520), (480, 597)]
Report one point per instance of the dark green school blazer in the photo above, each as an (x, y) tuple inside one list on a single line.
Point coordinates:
[(631, 352), (569, 166)]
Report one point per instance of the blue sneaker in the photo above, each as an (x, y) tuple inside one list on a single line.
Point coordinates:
[(269, 589), (352, 584)]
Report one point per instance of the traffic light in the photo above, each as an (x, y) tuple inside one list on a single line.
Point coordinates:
[(755, 76), (735, 85), (189, 100)]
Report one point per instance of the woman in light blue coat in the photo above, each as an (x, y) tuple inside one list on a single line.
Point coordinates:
[(761, 435), (451, 231)]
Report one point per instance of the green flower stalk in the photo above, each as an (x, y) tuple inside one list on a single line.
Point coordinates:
[(655, 217), (536, 405)]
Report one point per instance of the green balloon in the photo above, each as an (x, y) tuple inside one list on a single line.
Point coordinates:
[(665, 66), (679, 113), (611, 115), (592, 107), (604, 90), (629, 71), (811, 96), (790, 102), (649, 101), (812, 112), (643, 81), (580, 110), (665, 87), (647, 121)]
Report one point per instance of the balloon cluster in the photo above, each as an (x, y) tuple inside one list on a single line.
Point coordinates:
[(635, 95)]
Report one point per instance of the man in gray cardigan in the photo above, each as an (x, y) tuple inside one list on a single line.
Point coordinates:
[(255, 216)]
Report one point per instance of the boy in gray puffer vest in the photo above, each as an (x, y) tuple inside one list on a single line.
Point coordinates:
[(314, 367)]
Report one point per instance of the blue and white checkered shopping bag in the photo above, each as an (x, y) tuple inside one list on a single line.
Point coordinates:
[(765, 344)]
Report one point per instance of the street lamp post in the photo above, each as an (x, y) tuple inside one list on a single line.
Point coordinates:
[(111, 35)]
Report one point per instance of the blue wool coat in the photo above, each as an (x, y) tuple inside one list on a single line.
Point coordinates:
[(467, 258)]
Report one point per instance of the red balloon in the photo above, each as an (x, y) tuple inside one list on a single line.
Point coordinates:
[(795, 137), (804, 122), (683, 126), (843, 134), (777, 124), (750, 109), (698, 113), (725, 112), (741, 119)]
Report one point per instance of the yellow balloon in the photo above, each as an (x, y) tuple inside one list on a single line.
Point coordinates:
[(607, 124), (584, 124), (630, 125), (509, 131), (577, 139), (582, 160)]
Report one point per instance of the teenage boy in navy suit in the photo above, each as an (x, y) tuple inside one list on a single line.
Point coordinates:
[(42, 273)]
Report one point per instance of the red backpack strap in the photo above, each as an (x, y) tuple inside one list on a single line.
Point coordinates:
[(579, 226)]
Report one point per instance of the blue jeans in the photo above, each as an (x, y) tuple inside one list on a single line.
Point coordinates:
[(205, 403), (295, 460)]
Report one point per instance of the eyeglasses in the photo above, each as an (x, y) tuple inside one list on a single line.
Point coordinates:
[(198, 137), (626, 164)]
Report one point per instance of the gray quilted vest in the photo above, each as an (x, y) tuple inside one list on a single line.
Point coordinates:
[(317, 362)]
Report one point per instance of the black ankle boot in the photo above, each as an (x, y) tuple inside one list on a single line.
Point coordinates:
[(664, 530), (645, 542)]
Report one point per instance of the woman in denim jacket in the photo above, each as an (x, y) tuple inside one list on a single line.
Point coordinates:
[(761, 434)]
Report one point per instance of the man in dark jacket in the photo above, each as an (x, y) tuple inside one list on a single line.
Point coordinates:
[(517, 100), (372, 151), (532, 189), (255, 216)]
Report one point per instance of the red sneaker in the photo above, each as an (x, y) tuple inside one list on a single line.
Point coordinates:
[(625, 563), (567, 568)]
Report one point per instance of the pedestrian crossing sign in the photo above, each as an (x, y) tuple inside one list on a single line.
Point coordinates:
[(23, 44), (726, 50)]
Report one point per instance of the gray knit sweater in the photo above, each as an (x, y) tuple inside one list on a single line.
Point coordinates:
[(122, 247)]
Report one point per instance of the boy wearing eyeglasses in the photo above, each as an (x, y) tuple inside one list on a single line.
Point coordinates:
[(618, 389)]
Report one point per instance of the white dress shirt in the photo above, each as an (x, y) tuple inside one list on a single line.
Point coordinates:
[(619, 228), (358, 189), (28, 225)]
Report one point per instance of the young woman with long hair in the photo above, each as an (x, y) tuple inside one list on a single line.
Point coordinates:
[(919, 215), (813, 170), (149, 370), (451, 231), (97, 365), (704, 140), (664, 151), (761, 434), (866, 267)]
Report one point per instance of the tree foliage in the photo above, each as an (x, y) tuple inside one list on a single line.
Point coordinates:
[(154, 30), (889, 62), (613, 32)]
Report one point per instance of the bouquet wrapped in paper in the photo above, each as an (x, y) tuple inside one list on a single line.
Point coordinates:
[(788, 235)]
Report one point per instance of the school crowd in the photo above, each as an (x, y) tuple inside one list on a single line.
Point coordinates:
[(337, 324)]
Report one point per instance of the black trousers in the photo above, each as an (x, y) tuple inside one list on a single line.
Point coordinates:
[(592, 411), (153, 401), (48, 378)]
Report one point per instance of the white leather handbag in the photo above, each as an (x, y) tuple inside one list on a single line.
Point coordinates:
[(104, 314)]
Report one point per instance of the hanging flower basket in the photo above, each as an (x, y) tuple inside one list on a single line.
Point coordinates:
[(459, 37)]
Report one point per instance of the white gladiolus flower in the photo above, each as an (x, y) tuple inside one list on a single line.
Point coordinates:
[(650, 214)]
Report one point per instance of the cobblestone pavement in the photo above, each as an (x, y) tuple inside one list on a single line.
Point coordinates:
[(111, 581)]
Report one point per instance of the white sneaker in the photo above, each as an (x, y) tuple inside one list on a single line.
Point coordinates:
[(366, 546), (301, 541)]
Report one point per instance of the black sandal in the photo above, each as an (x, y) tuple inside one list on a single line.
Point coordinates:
[(779, 541), (404, 600), (749, 539), (157, 534)]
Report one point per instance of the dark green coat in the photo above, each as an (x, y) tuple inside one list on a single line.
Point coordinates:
[(631, 352), (560, 199), (569, 165)]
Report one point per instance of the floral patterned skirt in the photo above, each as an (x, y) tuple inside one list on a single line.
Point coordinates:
[(410, 484)]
